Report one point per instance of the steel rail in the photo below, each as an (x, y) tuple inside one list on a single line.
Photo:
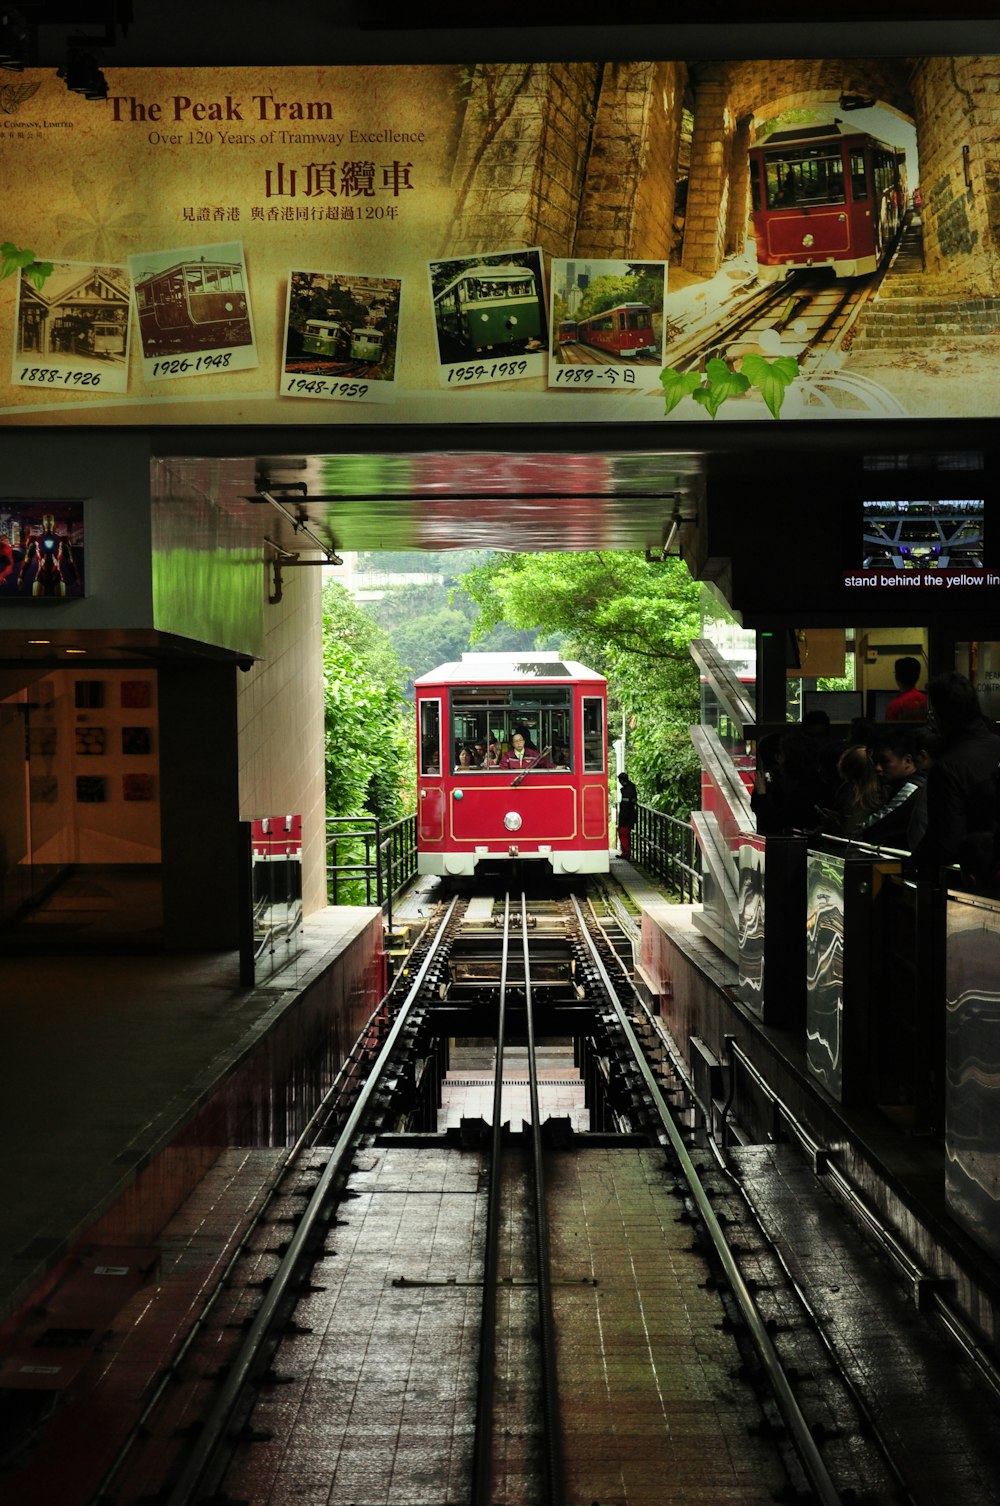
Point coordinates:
[(798, 1428), (215, 1428), (928, 1290), (482, 1456), (554, 1468)]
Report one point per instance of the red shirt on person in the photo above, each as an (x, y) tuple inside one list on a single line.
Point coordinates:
[(909, 706)]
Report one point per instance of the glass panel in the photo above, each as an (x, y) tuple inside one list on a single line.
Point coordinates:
[(498, 726), (859, 183), (276, 885), (811, 175), (430, 737), (593, 735)]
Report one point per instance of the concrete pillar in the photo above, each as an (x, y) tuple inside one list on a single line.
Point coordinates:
[(521, 155), (199, 805), (631, 176), (772, 676), (709, 186)]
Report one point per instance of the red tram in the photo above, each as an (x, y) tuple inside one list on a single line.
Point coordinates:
[(624, 330), (566, 332), (512, 763), (823, 196)]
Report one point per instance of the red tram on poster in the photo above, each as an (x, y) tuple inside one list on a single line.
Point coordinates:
[(512, 765), (823, 196)]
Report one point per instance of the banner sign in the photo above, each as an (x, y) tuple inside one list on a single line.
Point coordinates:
[(532, 243)]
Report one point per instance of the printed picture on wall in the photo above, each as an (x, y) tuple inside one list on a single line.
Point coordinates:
[(489, 315), (193, 306), (828, 225), (72, 331), (341, 334), (606, 322), (41, 550)]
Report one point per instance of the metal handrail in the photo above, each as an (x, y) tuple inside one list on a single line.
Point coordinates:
[(390, 857), (665, 847)]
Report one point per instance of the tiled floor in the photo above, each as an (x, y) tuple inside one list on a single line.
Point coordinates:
[(379, 1404), (95, 1416)]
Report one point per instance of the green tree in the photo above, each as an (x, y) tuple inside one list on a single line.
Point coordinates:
[(437, 637), (604, 292), (631, 620)]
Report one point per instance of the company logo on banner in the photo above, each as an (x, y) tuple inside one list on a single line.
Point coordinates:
[(499, 243)]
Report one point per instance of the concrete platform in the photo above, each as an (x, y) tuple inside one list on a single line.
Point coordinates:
[(110, 1062)]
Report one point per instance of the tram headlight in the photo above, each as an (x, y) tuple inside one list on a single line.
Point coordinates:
[(808, 241), (512, 821)]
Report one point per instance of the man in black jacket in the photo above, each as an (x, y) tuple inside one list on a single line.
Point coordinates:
[(901, 820), (628, 809), (962, 783)]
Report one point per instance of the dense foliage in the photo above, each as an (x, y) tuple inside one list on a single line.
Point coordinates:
[(433, 623), (369, 727), (630, 619)]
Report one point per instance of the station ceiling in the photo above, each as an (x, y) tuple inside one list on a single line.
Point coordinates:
[(592, 487)]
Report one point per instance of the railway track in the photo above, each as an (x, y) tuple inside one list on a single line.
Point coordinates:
[(573, 354), (813, 308), (462, 1311)]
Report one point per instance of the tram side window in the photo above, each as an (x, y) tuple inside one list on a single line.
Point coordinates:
[(593, 735), (859, 180), (430, 737), (754, 187)]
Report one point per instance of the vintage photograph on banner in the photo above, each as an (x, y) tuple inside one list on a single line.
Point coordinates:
[(72, 328), (489, 315), (606, 324), (341, 336), (193, 307)]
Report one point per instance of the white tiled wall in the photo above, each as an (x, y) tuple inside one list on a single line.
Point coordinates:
[(280, 717)]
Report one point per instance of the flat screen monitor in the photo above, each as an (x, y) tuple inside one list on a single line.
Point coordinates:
[(921, 544), (839, 705), (878, 702)]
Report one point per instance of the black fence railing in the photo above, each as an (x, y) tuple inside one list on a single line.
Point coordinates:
[(665, 847), (368, 863)]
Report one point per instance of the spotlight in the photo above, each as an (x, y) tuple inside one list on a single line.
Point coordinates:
[(82, 74)]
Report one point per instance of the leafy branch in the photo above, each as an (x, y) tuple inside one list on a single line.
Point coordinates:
[(12, 260), (720, 381)]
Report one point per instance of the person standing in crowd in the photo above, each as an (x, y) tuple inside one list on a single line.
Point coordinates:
[(858, 795), (789, 786), (901, 819), (628, 809), (962, 805), (910, 705)]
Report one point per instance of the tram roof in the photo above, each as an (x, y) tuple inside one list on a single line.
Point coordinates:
[(815, 134), (508, 669), (508, 272)]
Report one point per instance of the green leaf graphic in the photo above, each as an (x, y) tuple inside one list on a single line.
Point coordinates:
[(38, 273), (722, 383), (772, 377), (677, 386)]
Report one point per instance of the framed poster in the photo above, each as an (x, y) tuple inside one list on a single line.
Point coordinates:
[(42, 549)]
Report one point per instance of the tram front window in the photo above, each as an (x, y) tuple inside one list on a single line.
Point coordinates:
[(486, 720)]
